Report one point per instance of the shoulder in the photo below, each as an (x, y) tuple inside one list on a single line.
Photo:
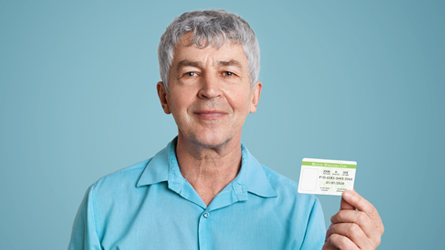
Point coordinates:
[(121, 179), (279, 180)]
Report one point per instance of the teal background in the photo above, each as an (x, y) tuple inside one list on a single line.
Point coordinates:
[(347, 80)]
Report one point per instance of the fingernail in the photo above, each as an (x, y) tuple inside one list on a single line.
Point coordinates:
[(347, 193)]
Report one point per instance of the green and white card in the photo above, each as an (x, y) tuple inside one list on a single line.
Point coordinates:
[(330, 177)]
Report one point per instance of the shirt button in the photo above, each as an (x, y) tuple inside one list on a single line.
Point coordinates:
[(206, 215)]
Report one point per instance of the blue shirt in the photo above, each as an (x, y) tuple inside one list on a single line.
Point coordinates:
[(150, 205)]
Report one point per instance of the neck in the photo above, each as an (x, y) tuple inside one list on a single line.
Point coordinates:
[(208, 169)]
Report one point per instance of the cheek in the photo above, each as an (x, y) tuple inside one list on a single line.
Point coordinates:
[(242, 102), (180, 101)]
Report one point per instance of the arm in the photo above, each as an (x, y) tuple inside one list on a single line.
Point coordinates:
[(84, 235), (356, 226)]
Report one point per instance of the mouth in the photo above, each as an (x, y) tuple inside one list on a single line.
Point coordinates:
[(210, 114)]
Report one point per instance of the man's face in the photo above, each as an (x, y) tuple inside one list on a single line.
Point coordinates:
[(209, 92)]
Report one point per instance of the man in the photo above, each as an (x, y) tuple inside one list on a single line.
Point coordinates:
[(205, 190)]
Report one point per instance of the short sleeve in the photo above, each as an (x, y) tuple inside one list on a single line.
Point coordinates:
[(316, 229), (84, 236)]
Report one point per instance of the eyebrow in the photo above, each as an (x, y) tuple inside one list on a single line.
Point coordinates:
[(230, 63), (186, 62)]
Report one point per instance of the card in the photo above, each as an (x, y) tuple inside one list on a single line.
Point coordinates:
[(328, 177)]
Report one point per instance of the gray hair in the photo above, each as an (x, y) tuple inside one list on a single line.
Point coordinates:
[(210, 27)]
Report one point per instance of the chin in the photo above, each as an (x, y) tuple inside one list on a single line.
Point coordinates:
[(211, 141)]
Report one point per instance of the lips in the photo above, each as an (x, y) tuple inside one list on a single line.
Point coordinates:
[(210, 114)]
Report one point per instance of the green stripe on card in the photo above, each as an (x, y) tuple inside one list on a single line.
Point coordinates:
[(328, 165)]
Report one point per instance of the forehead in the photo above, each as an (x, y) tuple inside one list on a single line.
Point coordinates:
[(227, 51)]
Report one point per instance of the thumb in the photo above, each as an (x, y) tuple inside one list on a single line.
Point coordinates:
[(344, 205)]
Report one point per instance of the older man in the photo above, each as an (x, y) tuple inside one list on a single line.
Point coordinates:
[(205, 190)]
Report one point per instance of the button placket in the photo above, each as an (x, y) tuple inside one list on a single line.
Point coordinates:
[(205, 231)]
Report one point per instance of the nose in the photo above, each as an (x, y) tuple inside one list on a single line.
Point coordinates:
[(210, 86)]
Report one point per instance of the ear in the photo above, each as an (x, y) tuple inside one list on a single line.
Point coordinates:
[(256, 92), (162, 93)]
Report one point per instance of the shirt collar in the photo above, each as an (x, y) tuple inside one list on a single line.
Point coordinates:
[(253, 176), (164, 167)]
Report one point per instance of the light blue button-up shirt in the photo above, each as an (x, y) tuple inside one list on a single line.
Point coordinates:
[(150, 205)]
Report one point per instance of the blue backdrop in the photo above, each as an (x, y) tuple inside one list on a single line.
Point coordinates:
[(347, 80)]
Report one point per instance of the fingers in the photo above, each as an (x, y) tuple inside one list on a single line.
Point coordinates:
[(354, 233), (328, 246), (357, 225), (353, 199), (359, 218), (341, 242)]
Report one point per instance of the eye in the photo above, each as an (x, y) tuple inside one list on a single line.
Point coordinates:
[(191, 74), (227, 73)]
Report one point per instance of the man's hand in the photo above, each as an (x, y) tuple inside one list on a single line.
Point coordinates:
[(356, 226)]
